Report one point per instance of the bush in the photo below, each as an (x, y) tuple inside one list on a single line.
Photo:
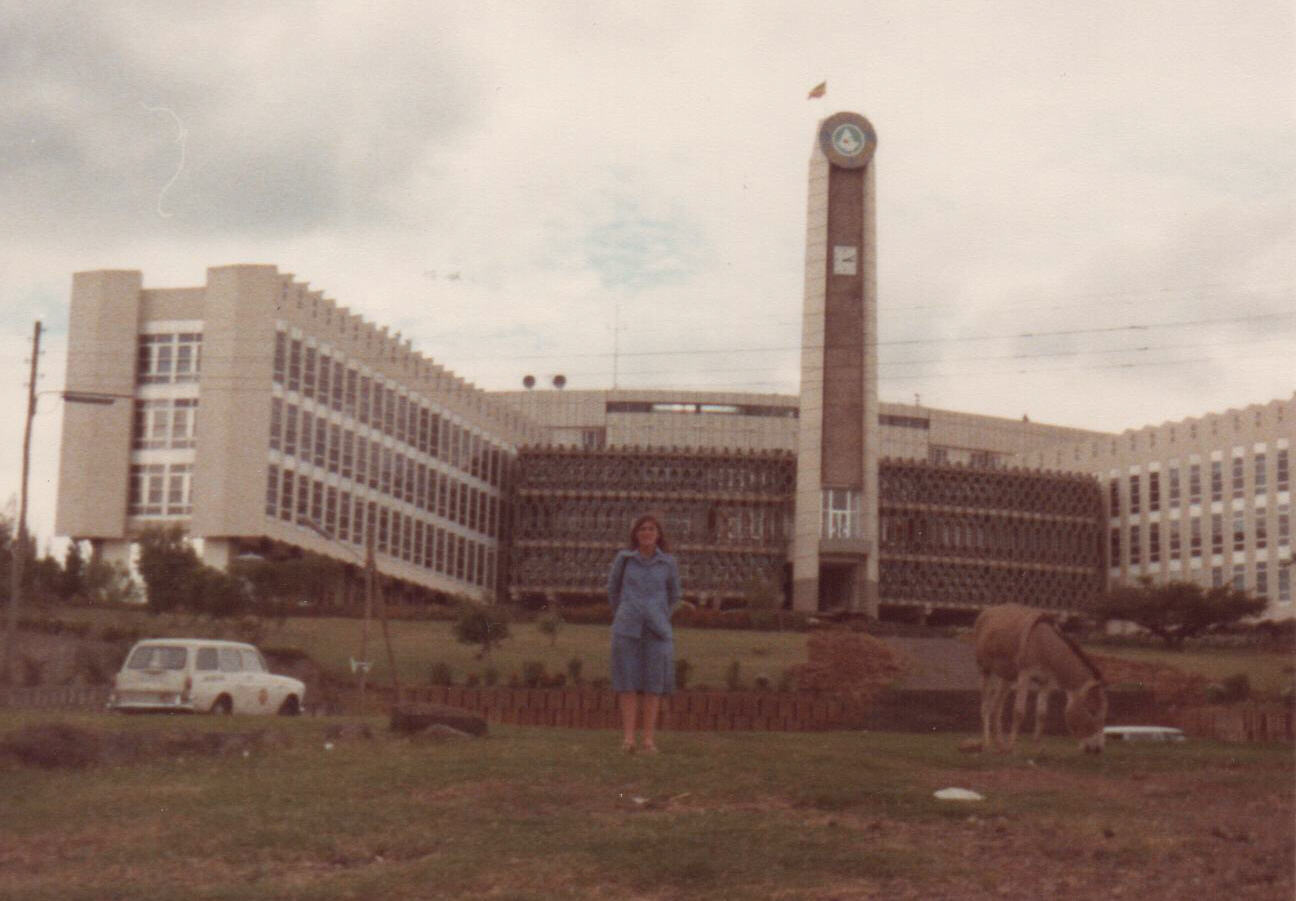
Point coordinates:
[(1230, 690), (115, 634), (787, 681), (550, 624), (440, 674), (533, 674), (491, 676), (733, 676), (574, 667), (473, 680), (762, 682), (481, 625), (53, 745), (91, 666)]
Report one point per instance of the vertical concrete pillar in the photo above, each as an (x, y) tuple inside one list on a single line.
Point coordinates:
[(837, 449)]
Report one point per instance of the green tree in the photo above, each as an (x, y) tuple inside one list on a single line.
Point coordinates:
[(1174, 611), (481, 624), (177, 580), (275, 587), (109, 583), (550, 623), (73, 583), (170, 569)]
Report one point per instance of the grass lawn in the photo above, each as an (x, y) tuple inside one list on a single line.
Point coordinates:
[(333, 641), (1268, 671), (552, 813)]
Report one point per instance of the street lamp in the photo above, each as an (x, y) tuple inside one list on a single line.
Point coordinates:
[(372, 592)]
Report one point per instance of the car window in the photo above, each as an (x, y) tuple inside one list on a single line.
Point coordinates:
[(230, 662), (206, 659), (157, 656), (252, 661)]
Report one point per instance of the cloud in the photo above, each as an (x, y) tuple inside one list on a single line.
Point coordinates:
[(312, 131)]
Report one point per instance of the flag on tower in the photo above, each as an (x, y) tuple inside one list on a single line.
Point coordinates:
[(818, 90)]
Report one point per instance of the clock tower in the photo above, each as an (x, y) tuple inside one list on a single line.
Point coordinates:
[(834, 554)]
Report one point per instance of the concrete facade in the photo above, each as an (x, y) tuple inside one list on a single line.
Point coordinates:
[(251, 407), (1205, 499), (834, 550)]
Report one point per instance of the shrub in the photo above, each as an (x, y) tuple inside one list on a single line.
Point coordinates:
[(787, 681), (53, 745), (91, 666), (574, 667), (481, 625), (1230, 690), (550, 624), (125, 634), (491, 676), (440, 674), (762, 682), (533, 673), (1238, 687), (473, 680), (682, 670)]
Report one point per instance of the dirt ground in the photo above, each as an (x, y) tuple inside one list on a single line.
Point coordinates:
[(1208, 846)]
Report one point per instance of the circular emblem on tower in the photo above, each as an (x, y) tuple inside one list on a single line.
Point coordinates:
[(848, 140)]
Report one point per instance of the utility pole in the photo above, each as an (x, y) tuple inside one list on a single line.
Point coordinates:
[(371, 584), (374, 595), (19, 546)]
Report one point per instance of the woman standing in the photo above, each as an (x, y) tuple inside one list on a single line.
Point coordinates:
[(643, 589)]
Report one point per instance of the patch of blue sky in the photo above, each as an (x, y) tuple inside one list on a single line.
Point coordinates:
[(636, 253), (33, 302)]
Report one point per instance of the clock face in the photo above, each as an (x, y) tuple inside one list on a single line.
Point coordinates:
[(845, 260), (848, 140)]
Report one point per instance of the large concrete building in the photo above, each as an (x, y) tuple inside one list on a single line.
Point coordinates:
[(264, 418), (258, 413), (1205, 499)]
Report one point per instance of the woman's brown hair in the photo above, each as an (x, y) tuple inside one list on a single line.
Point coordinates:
[(634, 530)]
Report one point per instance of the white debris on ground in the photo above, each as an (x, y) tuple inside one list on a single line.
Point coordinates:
[(958, 794)]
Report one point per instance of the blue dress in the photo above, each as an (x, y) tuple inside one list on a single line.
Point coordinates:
[(642, 593)]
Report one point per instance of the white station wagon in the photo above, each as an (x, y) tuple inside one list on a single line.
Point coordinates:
[(194, 675)]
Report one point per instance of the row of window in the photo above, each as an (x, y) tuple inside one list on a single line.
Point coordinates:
[(1261, 588), (160, 489), (165, 423), (367, 463), (1077, 544), (167, 359), (298, 498), (334, 385), (1174, 486), (1259, 537)]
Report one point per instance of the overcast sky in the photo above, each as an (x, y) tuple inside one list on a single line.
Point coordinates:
[(1085, 210)]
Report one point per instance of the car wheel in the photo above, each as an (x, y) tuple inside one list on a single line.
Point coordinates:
[(222, 706), (290, 707)]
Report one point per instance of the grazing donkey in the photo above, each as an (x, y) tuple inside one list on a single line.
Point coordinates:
[(1019, 646)]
